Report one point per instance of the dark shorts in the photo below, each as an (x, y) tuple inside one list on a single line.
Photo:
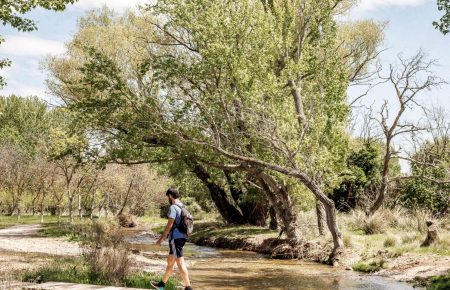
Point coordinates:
[(176, 247)]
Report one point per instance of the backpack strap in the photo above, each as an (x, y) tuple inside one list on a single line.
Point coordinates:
[(175, 224)]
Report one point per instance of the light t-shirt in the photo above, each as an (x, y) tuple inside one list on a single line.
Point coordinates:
[(175, 213)]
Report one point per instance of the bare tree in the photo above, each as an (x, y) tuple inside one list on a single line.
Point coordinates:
[(409, 79)]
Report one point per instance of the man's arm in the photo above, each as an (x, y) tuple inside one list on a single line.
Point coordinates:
[(166, 231)]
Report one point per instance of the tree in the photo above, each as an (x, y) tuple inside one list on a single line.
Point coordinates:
[(409, 79), (428, 185), (11, 12), (444, 23), (251, 87), (24, 129)]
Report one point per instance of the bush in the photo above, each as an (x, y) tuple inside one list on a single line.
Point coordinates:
[(371, 267), (373, 225), (105, 254), (108, 264), (389, 242)]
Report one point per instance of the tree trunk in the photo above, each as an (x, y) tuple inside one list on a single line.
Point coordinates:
[(282, 204), (80, 214), (338, 244), (321, 219), (384, 181), (218, 195), (273, 225), (255, 208), (59, 214), (330, 210), (70, 193)]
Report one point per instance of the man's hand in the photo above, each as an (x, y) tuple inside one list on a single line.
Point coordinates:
[(159, 241), (166, 231)]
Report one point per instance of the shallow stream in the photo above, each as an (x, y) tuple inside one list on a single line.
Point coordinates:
[(211, 268)]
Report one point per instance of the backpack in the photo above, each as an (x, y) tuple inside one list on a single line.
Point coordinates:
[(186, 226)]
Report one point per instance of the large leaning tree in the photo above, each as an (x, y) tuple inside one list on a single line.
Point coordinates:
[(250, 87)]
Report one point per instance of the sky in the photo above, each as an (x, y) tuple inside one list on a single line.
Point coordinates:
[(409, 29)]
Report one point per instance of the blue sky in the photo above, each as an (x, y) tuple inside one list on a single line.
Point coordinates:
[(409, 29)]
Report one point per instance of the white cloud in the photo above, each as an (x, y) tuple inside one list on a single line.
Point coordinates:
[(21, 89), (115, 4), (30, 46), (366, 5)]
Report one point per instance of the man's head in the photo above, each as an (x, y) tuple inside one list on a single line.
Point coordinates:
[(172, 194)]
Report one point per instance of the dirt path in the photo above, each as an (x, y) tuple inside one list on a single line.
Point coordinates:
[(22, 238), (21, 250)]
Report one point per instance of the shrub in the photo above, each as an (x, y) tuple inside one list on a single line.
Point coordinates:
[(105, 254), (108, 264), (373, 225), (390, 242)]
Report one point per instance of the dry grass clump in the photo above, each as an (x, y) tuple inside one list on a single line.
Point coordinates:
[(105, 252), (373, 225), (390, 242), (110, 264), (348, 242), (411, 238)]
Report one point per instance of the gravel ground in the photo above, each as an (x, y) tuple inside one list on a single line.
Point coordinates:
[(20, 239), (21, 250)]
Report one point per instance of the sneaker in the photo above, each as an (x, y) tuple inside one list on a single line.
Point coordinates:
[(159, 286), (188, 288)]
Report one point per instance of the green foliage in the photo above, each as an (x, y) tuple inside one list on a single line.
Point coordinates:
[(433, 283), (444, 23), (365, 165), (24, 123), (439, 283), (429, 188)]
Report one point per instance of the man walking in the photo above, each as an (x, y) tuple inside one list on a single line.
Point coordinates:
[(177, 239)]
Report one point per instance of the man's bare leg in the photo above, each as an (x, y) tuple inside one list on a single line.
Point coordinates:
[(183, 271), (169, 269)]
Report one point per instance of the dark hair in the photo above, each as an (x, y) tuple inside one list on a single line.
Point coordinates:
[(173, 192)]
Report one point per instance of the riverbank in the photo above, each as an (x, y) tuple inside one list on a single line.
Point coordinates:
[(28, 247), (27, 254)]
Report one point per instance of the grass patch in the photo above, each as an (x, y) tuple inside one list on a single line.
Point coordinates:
[(155, 220), (370, 267), (211, 229), (55, 230), (348, 243), (76, 273), (9, 221)]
